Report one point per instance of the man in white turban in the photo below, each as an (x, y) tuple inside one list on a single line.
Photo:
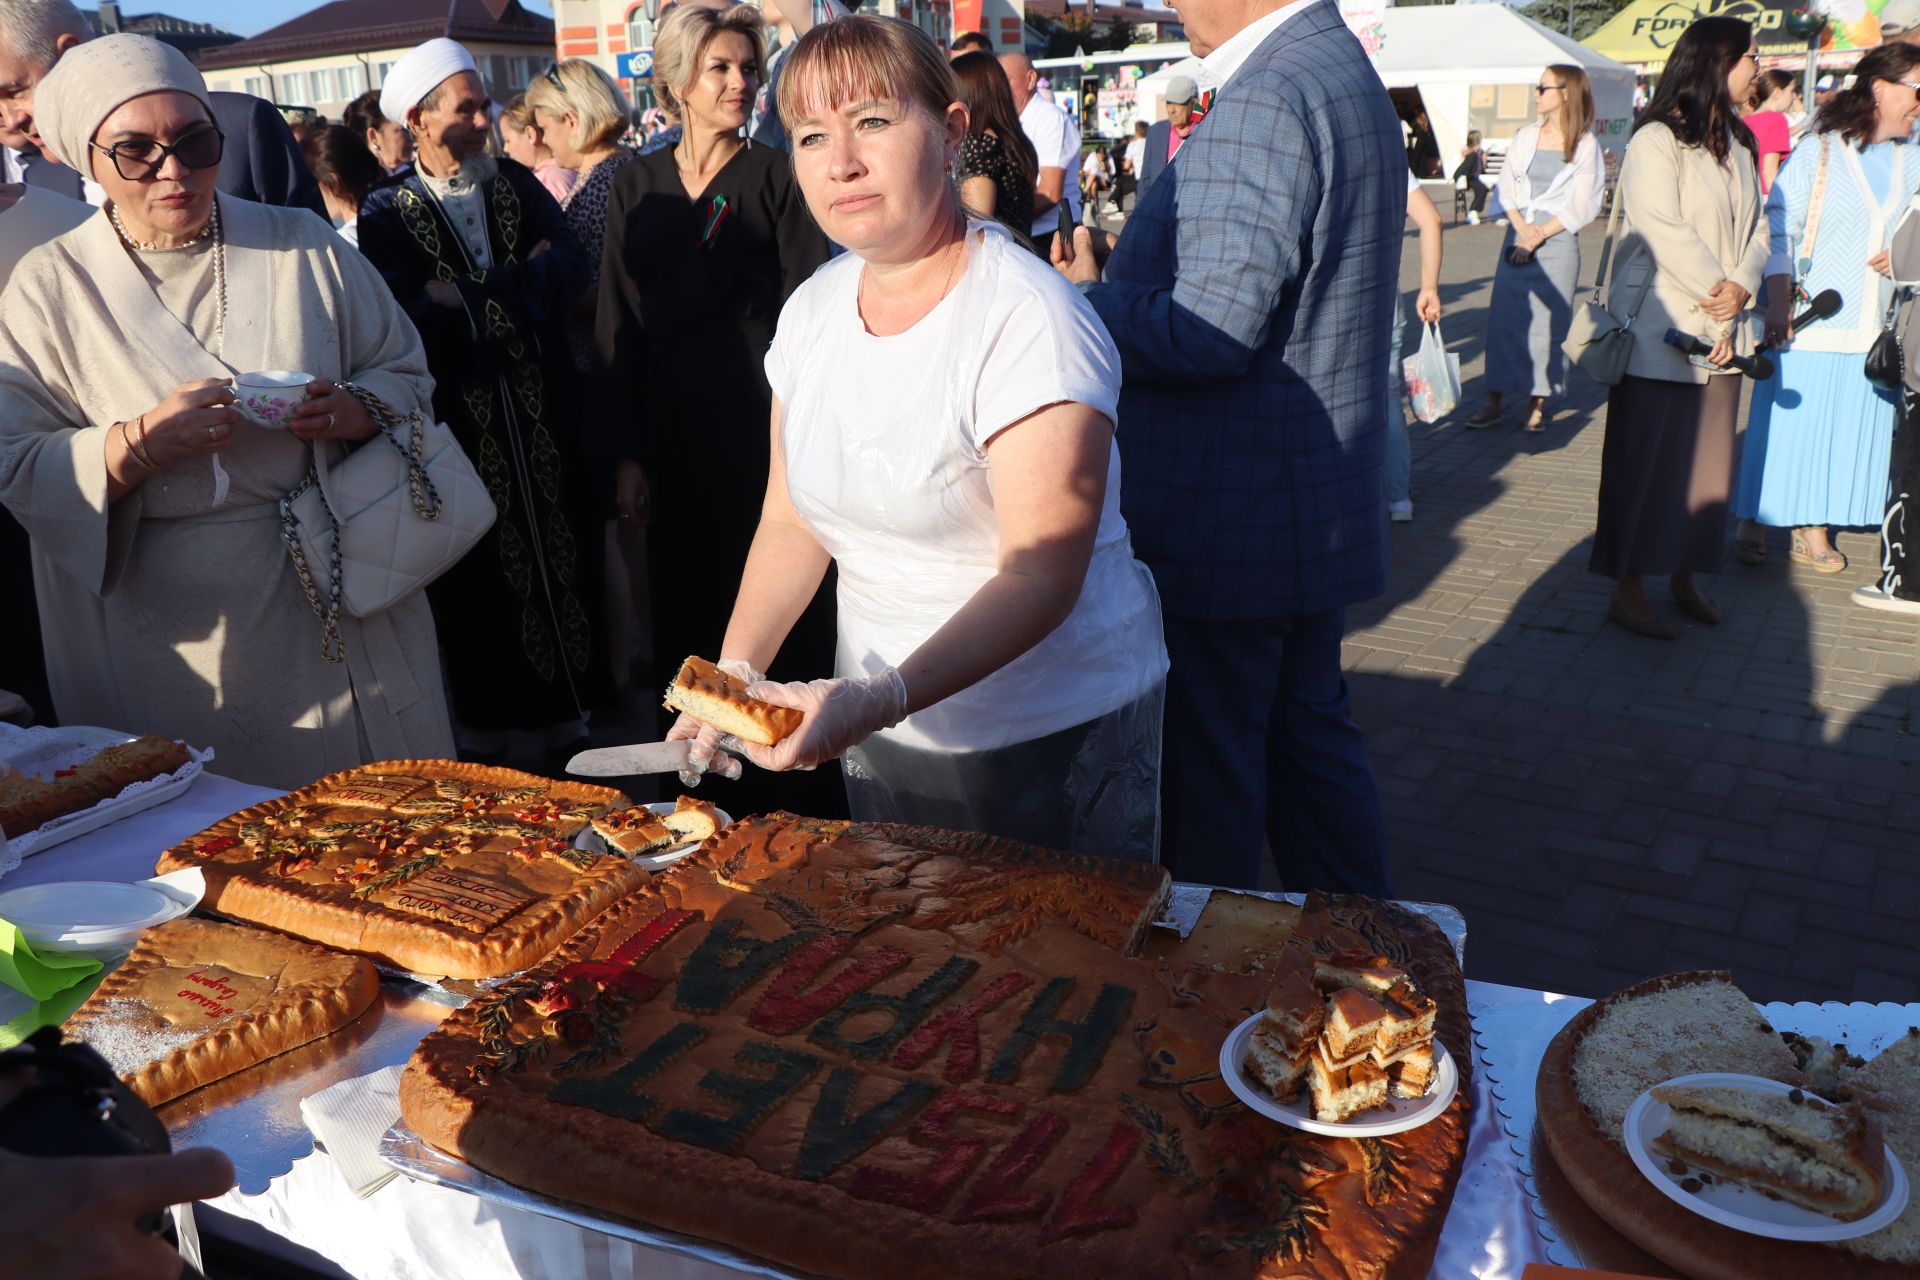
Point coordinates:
[(482, 259)]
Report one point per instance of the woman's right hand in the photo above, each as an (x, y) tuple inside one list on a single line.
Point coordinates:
[(196, 418)]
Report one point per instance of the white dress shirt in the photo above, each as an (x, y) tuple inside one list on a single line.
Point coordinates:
[(1218, 67)]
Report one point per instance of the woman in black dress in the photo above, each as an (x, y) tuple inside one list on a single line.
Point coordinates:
[(705, 241), (998, 165)]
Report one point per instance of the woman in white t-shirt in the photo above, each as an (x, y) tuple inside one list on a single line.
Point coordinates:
[(943, 433)]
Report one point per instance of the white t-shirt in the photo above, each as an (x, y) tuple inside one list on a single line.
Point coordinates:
[(1137, 156), (1056, 141), (884, 441)]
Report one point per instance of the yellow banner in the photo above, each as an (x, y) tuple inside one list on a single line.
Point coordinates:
[(1645, 30)]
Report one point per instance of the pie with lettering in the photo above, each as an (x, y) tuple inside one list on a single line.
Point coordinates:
[(868, 1051), (199, 1000), (433, 867)]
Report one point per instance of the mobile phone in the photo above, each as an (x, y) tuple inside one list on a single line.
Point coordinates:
[(1065, 212)]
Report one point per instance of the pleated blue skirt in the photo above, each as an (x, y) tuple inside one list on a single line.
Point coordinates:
[(1818, 443)]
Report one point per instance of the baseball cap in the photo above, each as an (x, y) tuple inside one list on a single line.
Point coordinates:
[(1183, 89), (1897, 17)]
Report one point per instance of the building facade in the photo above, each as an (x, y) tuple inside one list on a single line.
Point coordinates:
[(326, 58)]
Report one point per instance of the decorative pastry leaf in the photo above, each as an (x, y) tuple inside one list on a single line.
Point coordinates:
[(400, 874)]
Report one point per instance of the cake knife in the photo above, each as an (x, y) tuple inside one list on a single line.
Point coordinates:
[(638, 757)]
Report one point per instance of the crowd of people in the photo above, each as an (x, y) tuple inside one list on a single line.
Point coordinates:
[(806, 380), (809, 382)]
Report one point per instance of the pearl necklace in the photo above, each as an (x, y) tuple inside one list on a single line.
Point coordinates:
[(212, 229)]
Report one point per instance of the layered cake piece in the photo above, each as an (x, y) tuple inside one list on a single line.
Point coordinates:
[(199, 1000), (28, 801), (1822, 1156), (639, 831), (1351, 1026)]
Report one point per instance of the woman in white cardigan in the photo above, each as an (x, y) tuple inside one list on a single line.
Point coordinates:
[(1550, 187)]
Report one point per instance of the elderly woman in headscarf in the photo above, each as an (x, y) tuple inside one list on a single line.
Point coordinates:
[(168, 597)]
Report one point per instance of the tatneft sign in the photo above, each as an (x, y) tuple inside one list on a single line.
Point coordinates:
[(1645, 30)]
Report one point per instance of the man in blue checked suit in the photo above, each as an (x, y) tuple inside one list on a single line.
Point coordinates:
[(1251, 298)]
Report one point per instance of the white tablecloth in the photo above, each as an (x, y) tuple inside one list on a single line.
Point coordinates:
[(415, 1231)]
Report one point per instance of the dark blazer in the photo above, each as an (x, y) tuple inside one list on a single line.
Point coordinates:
[(1252, 300), (261, 162), (1154, 163)]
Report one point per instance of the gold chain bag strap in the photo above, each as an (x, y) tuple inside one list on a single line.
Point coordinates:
[(384, 521)]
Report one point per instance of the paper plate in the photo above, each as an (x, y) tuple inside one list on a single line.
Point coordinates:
[(593, 842), (1732, 1205), (98, 915), (1396, 1115)]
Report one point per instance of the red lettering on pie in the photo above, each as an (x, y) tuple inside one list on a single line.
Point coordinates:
[(996, 1195), (788, 1006), (932, 1187), (962, 1027), (1081, 1210)]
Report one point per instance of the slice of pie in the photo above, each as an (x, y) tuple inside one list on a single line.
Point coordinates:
[(705, 691), (199, 1000), (639, 831)]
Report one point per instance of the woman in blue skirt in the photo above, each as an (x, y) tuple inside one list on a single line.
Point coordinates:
[(1818, 441)]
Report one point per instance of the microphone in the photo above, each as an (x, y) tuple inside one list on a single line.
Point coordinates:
[(1824, 304), (1756, 366)]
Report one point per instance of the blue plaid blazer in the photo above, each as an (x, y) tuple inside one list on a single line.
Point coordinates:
[(1251, 297)]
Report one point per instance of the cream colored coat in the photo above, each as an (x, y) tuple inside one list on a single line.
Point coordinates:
[(162, 613), (1688, 222)]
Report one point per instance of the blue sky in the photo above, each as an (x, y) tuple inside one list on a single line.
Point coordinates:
[(249, 17)]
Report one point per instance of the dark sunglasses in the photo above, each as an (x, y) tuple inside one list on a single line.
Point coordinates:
[(552, 76), (1546, 88), (136, 160)]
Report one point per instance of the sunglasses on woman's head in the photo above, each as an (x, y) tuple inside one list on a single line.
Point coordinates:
[(140, 159), (552, 75)]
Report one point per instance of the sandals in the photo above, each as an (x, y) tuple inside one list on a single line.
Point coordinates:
[(1537, 419), (1828, 561)]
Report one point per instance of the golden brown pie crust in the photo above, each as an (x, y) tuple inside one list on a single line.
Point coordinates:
[(295, 992), (1599, 1169), (897, 1087), (704, 691), (431, 866)]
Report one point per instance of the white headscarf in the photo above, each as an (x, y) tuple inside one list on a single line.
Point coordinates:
[(419, 74), (94, 79)]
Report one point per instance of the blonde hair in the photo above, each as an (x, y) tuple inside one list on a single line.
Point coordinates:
[(682, 39), (1576, 105), (864, 57), (593, 97)]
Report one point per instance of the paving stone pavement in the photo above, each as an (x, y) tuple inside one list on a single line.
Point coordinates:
[(1605, 807)]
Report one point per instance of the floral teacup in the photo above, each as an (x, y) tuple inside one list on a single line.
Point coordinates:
[(267, 398)]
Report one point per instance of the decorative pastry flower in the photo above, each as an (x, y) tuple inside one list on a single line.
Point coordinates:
[(362, 870), (543, 812)]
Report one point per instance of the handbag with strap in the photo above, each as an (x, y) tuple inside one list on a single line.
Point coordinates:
[(1598, 343), (1886, 362), (382, 522)]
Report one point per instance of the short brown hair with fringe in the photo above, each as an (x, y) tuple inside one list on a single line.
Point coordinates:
[(682, 40), (864, 58)]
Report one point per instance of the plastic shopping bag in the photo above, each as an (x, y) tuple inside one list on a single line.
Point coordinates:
[(1433, 377)]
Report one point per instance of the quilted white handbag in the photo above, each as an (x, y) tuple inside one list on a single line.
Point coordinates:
[(384, 521)]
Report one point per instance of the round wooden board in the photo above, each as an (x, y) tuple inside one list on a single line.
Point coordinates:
[(1599, 1170)]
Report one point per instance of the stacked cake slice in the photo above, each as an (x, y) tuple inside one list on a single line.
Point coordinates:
[(1350, 1027)]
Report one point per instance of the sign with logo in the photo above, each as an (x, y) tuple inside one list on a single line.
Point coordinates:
[(1645, 30), (637, 65)]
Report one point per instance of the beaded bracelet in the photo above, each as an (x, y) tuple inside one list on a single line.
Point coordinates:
[(131, 451)]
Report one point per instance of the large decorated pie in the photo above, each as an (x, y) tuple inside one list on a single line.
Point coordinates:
[(875, 1051), (1681, 1024), (198, 1000), (434, 867)]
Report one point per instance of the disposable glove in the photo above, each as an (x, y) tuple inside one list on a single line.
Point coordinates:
[(839, 713), (706, 754)]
